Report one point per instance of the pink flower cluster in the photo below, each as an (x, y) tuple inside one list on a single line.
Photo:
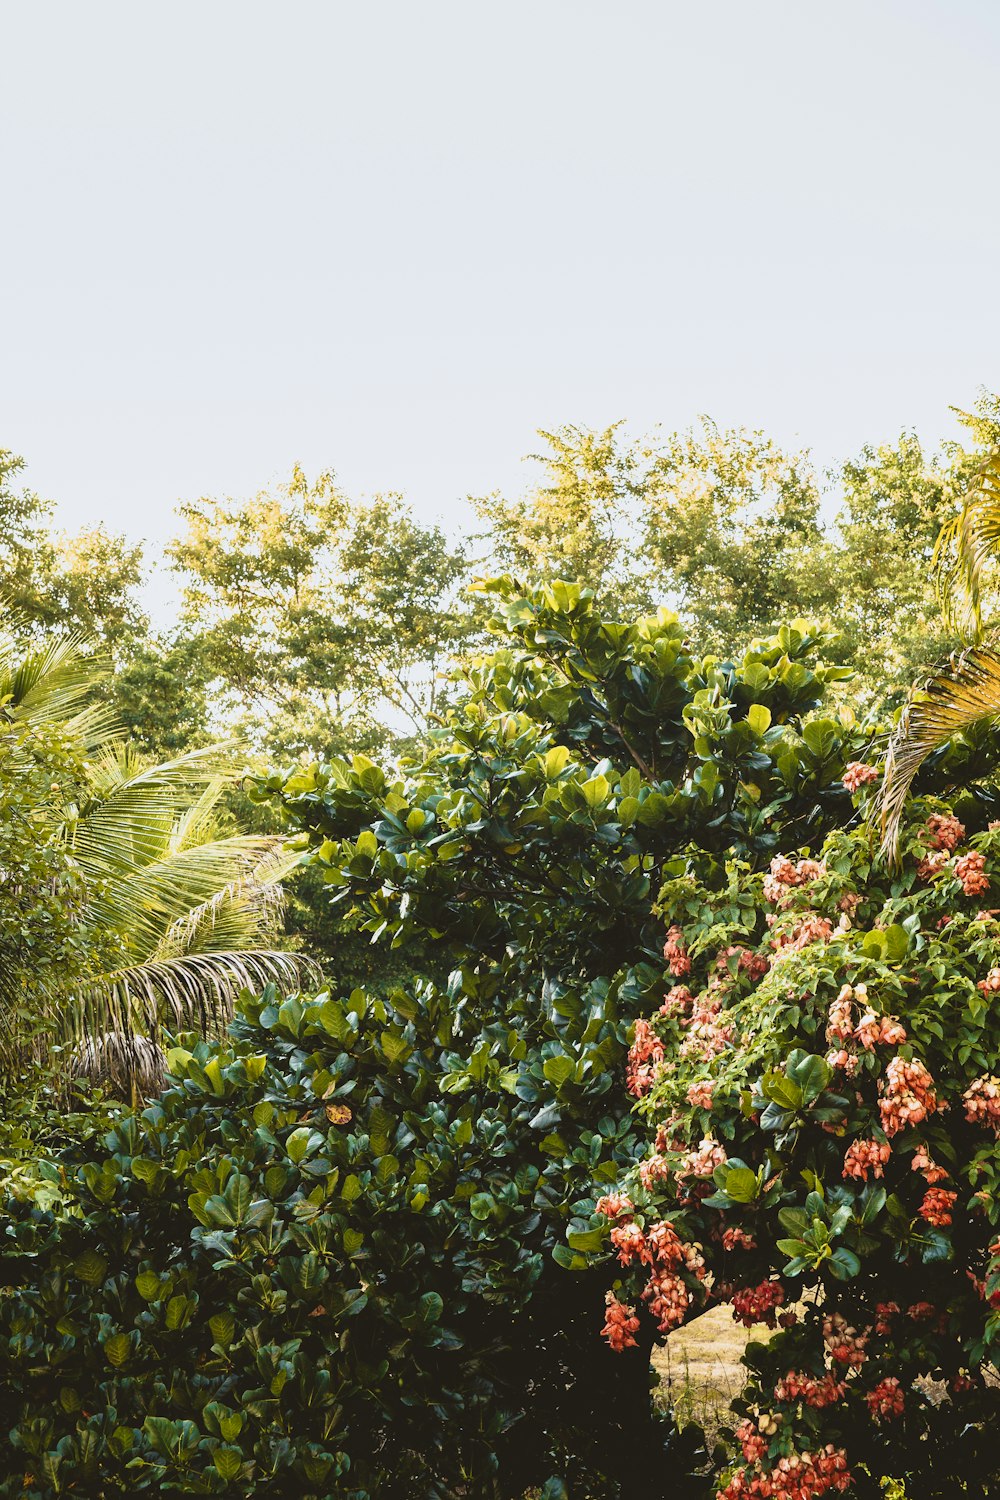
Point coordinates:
[(886, 1399), (620, 1324), (614, 1205), (885, 1031), (864, 1157), (922, 1162), (982, 1102), (800, 1476), (945, 831), (884, 1314), (706, 1034), (937, 1206), (816, 1393), (754, 1445), (644, 1058), (932, 863), (654, 1170), (809, 929), (676, 1002), (703, 1161), (846, 1344), (839, 1057), (991, 984), (754, 965), (871, 1030), (676, 954), (699, 1095), (735, 1238), (970, 871), (907, 1095), (756, 1304), (667, 1298), (858, 774), (840, 1017), (666, 1294), (786, 874), (630, 1242)]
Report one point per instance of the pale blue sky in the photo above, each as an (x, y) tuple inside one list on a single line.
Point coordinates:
[(394, 238)]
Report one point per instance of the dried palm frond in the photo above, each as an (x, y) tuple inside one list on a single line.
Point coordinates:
[(965, 548), (195, 991), (961, 695)]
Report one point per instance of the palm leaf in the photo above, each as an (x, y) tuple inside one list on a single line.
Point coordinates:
[(245, 913), (116, 1026), (54, 684), (963, 694), (194, 991), (967, 545)]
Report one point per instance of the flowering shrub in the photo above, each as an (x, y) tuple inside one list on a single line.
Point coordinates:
[(823, 1104)]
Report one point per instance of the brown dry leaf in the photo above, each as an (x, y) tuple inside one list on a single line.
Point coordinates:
[(338, 1114)]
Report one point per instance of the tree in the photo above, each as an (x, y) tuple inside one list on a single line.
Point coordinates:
[(735, 526), (325, 622), (87, 583), (582, 522), (165, 919)]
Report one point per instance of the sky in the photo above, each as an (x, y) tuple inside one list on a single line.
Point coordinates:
[(393, 239)]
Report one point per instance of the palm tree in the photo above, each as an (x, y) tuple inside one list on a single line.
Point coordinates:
[(178, 915), (965, 692)]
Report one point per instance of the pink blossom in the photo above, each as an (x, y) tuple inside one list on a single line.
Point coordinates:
[(620, 1324), (857, 774), (676, 954), (864, 1157), (970, 870)]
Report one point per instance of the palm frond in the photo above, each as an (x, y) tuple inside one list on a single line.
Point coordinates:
[(967, 545), (117, 1025), (964, 693), (54, 684), (196, 991), (143, 899), (245, 913)]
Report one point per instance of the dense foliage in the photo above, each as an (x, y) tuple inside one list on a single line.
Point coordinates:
[(526, 849), (820, 1079), (269, 1282), (331, 1258)]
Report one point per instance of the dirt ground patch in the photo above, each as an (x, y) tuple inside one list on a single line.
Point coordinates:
[(699, 1367)]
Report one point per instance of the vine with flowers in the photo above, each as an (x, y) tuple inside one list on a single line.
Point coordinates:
[(820, 1086)]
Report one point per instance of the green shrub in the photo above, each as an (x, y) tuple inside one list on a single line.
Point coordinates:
[(295, 1273)]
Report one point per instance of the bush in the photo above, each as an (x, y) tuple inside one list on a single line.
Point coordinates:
[(523, 855), (821, 1082), (296, 1273)]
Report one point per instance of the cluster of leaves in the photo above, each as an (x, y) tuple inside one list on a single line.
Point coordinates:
[(809, 1087), (528, 846), (298, 1273)]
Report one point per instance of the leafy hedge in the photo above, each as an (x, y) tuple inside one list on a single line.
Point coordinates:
[(298, 1273), (821, 1084)]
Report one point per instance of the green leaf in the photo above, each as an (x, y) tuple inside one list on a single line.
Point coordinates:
[(782, 1090), (228, 1462), (588, 1241), (741, 1185), (117, 1349), (90, 1267), (843, 1263), (147, 1284), (558, 1070), (759, 718)]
